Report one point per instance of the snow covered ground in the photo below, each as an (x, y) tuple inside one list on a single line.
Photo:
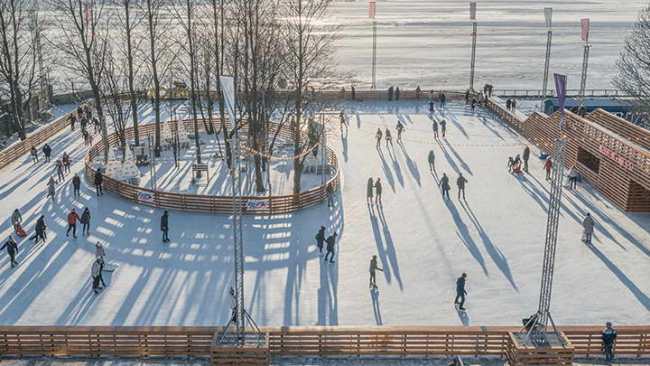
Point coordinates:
[(422, 242)]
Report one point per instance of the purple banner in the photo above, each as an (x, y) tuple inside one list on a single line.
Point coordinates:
[(560, 90)]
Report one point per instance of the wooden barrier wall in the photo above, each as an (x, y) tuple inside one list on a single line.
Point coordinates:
[(206, 203), (424, 341)]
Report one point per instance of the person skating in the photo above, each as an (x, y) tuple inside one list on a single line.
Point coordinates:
[(513, 105), (369, 187), (400, 129), (51, 188), (59, 171), (431, 106), (320, 239), (432, 161), (511, 163), (389, 138), (343, 121), (397, 93), (85, 222), (443, 100), (460, 182), (164, 226), (34, 153), (331, 241), (65, 159), (443, 128), (16, 218), (47, 152), (12, 249), (444, 185), (467, 97), (588, 228), (526, 156), (573, 177), (40, 230), (473, 105), (378, 190), (608, 337), (329, 189), (548, 166), (96, 274), (76, 185), (99, 251), (72, 120), (508, 104), (374, 267), (72, 223), (99, 180), (460, 291), (435, 129), (390, 93), (378, 136)]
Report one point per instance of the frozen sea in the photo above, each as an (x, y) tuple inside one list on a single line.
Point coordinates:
[(428, 42)]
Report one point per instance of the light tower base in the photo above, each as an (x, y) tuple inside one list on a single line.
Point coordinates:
[(542, 348)]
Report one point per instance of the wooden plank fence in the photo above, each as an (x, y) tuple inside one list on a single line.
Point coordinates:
[(423, 341)]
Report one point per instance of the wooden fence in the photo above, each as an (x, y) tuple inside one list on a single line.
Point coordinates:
[(259, 205), (424, 341)]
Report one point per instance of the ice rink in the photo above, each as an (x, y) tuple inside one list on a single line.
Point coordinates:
[(423, 243)]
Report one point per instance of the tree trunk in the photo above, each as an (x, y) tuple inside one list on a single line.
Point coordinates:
[(129, 55)]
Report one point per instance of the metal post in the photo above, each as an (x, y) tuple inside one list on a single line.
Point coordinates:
[(374, 54), (583, 77), (473, 62), (323, 148), (549, 36)]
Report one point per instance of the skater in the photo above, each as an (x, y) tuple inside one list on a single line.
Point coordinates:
[(432, 161), (330, 195), (59, 171), (320, 239), (16, 218), (443, 128), (418, 93), (548, 166), (588, 227), (39, 230), (85, 222), (369, 187), (460, 291), (397, 93), (353, 92), (99, 251), (99, 179), (51, 188), (513, 105), (96, 274), (443, 100), (511, 163), (608, 337), (400, 129), (473, 105), (390, 93), (343, 122), (431, 106), (378, 136), (12, 249), (508, 104), (460, 182), (65, 159), (389, 138), (378, 190), (34, 153), (164, 226), (444, 185), (435, 129), (526, 156), (573, 177), (72, 223), (373, 269), (76, 185), (72, 122), (47, 151), (467, 97), (331, 240)]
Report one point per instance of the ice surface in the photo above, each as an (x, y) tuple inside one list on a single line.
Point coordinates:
[(422, 243)]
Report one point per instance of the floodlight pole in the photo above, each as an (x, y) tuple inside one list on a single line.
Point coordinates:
[(585, 25), (472, 7), (372, 10)]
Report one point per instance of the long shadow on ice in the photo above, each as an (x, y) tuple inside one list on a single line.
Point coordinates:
[(464, 235), (390, 248)]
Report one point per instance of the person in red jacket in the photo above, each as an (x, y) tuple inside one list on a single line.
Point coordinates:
[(72, 224), (548, 166)]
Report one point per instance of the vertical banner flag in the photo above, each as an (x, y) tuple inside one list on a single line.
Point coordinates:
[(560, 90), (472, 10), (228, 88), (548, 15), (584, 25), (372, 8)]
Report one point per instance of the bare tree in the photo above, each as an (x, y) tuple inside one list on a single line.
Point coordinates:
[(309, 63), (19, 28), (130, 21), (634, 63), (83, 37)]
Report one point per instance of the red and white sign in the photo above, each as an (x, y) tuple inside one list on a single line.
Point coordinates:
[(372, 9), (472, 10), (584, 25), (257, 204), (146, 197), (616, 157)]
